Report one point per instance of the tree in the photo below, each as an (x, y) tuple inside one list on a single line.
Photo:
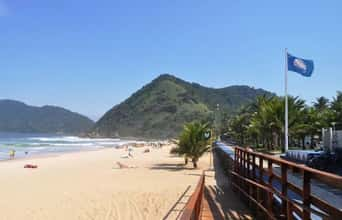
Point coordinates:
[(262, 122), (336, 107), (192, 142), (321, 103)]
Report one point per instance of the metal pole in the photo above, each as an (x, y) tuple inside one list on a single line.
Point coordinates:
[(211, 151), (217, 121), (331, 139), (323, 139), (286, 106)]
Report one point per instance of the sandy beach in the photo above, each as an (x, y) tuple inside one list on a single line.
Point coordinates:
[(89, 185)]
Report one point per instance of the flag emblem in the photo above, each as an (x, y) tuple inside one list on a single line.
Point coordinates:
[(299, 65)]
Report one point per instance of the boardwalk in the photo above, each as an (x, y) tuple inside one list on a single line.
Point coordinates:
[(275, 191), (219, 201), (222, 201)]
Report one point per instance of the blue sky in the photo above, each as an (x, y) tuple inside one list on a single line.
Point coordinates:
[(90, 55)]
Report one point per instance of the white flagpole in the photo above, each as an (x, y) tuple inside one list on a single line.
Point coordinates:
[(286, 106)]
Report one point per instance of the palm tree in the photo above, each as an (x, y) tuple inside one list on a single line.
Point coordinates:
[(192, 142), (321, 103), (238, 127), (267, 122), (336, 107), (262, 122)]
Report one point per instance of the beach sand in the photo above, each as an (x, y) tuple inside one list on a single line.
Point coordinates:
[(88, 185)]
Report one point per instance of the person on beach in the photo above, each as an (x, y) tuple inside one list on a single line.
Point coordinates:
[(130, 150), (124, 166), (12, 154)]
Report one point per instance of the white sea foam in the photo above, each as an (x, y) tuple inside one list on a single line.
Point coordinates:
[(72, 139), (47, 144)]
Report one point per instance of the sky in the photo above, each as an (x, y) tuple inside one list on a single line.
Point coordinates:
[(88, 56)]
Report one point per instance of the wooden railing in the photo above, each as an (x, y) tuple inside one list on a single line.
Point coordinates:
[(261, 187), (193, 208)]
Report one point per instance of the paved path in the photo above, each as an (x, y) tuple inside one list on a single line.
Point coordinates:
[(321, 190)]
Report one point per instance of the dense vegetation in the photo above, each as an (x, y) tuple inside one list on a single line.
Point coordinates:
[(160, 109), (19, 117), (262, 122)]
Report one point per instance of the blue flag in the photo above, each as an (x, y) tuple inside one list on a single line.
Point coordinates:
[(299, 65)]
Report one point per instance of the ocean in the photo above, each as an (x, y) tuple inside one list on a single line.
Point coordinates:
[(28, 145)]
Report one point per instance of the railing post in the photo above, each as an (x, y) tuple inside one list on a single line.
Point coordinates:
[(238, 160), (270, 203), (270, 173), (270, 194), (249, 187), (261, 170), (284, 188), (245, 187), (306, 195), (253, 167), (238, 171), (233, 168), (258, 198), (243, 162), (235, 159), (289, 215), (254, 188)]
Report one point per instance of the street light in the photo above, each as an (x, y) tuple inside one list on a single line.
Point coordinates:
[(216, 132), (217, 121)]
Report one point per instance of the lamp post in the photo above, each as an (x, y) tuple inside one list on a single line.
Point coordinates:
[(217, 119), (213, 134)]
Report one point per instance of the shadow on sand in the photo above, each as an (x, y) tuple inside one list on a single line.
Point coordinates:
[(170, 167), (199, 175)]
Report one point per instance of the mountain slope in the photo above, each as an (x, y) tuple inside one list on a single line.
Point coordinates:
[(160, 108), (18, 117)]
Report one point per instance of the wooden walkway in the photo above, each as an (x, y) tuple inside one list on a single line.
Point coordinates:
[(268, 193), (207, 213), (219, 201)]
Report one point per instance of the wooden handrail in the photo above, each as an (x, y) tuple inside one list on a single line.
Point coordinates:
[(329, 178), (295, 205), (193, 208), (249, 183)]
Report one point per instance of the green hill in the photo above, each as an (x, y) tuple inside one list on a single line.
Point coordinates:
[(18, 117), (160, 108)]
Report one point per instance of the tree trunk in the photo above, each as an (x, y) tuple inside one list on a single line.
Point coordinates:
[(194, 162), (186, 160), (312, 144)]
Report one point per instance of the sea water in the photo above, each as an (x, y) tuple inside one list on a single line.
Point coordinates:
[(28, 145)]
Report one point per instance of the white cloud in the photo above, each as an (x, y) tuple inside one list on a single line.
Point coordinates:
[(4, 11)]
